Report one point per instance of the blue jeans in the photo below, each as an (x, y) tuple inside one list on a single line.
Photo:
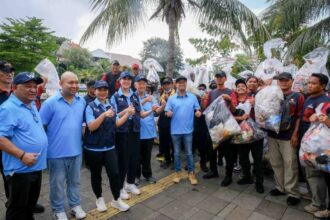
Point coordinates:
[(177, 139), (64, 171)]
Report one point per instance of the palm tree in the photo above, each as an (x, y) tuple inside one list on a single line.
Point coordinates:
[(121, 18), (301, 22)]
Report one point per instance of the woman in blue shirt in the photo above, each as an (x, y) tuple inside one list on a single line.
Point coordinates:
[(99, 142)]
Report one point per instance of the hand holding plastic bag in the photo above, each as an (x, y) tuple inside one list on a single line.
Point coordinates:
[(249, 129), (315, 143), (220, 122), (268, 108)]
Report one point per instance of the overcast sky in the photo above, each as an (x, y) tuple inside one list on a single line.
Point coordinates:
[(70, 18)]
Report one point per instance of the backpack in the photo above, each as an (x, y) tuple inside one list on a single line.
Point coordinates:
[(286, 117)]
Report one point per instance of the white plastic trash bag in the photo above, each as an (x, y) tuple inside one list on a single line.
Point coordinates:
[(153, 67), (220, 122), (270, 67), (249, 129), (315, 62), (246, 74), (268, 108), (47, 69), (202, 77)]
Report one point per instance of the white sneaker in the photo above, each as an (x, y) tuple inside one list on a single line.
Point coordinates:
[(100, 205), (119, 204), (60, 216), (78, 212), (132, 189), (123, 194)]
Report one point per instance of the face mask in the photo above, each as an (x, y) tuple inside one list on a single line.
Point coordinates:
[(201, 93)]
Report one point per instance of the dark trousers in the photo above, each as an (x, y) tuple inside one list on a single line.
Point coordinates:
[(212, 154), (128, 151), (4, 177), (200, 142), (256, 149), (108, 159), (165, 144), (230, 154), (144, 165), (327, 181), (24, 190)]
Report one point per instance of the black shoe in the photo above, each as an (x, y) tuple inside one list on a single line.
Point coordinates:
[(260, 188), (186, 168), (211, 174), (244, 181), (226, 181), (151, 180), (292, 201), (204, 168), (137, 181), (38, 209), (276, 192)]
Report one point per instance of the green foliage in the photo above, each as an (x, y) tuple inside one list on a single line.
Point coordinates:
[(243, 62), (78, 58), (157, 48), (25, 42), (79, 61), (212, 47)]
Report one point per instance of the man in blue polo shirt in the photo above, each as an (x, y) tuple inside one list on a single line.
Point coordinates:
[(24, 145), (148, 131), (62, 115), (181, 108)]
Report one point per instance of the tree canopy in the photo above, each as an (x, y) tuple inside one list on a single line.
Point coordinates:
[(25, 42)]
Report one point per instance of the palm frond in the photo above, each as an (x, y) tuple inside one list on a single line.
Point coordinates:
[(290, 15), (318, 33), (118, 18), (233, 17)]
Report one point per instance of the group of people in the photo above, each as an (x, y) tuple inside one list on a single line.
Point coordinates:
[(114, 127)]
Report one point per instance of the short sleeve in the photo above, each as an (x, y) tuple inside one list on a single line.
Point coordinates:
[(196, 104), (89, 114), (168, 105), (45, 113), (8, 123)]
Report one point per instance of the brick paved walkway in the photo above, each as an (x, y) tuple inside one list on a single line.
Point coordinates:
[(208, 200)]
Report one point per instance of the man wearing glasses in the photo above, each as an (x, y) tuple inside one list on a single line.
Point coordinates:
[(24, 145)]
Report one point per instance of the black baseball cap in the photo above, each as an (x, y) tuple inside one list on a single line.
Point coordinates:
[(25, 77), (180, 78), (284, 75), (115, 62), (101, 84), (6, 67), (141, 77), (220, 74)]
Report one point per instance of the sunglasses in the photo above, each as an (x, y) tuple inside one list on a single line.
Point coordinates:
[(8, 70)]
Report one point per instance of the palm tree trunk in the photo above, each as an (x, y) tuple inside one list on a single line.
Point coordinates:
[(172, 27)]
